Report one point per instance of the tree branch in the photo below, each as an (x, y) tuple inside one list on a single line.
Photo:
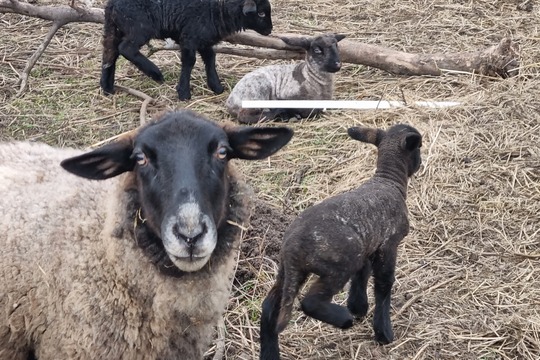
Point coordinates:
[(62, 13), (498, 60), (36, 55)]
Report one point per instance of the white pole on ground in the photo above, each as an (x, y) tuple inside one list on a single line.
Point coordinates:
[(340, 104)]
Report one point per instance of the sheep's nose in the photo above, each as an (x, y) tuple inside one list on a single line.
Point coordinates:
[(189, 236), (338, 64)]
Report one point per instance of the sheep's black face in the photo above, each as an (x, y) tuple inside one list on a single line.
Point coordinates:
[(180, 164), (258, 16), (323, 53), (181, 172)]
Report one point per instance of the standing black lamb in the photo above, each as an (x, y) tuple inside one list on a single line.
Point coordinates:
[(345, 237), (196, 25)]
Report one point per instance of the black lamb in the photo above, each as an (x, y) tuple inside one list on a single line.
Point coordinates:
[(346, 237), (196, 25)]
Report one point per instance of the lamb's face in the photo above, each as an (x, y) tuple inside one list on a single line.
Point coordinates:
[(258, 16), (181, 172), (323, 53)]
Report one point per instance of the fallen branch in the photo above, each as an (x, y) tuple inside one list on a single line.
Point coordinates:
[(59, 15), (498, 60)]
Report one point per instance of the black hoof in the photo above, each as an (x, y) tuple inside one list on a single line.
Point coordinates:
[(385, 337), (358, 310), (217, 89), (346, 324), (157, 76)]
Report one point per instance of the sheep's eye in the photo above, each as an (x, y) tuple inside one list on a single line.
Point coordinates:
[(261, 14), (317, 50), (221, 153), (141, 159)]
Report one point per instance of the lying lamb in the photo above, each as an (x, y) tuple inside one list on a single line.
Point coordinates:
[(312, 79), (345, 237), (195, 25), (134, 267)]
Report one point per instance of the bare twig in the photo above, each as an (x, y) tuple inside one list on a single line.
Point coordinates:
[(422, 293), (36, 55), (146, 100), (220, 340)]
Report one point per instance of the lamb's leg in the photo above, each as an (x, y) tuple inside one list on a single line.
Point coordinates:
[(358, 301), (212, 79), (304, 113), (384, 263), (129, 48), (188, 62), (317, 302), (111, 40)]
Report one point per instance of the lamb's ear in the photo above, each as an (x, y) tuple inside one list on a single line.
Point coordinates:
[(253, 143), (367, 135), (102, 163), (249, 7), (339, 37), (411, 142), (301, 42)]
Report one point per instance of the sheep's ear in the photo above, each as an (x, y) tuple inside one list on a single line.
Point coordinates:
[(253, 143), (103, 163), (367, 135), (249, 7), (411, 142), (339, 37), (301, 42)]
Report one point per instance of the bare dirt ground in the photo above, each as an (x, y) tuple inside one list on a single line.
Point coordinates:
[(468, 274)]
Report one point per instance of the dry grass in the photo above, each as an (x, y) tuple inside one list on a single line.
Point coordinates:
[(468, 277)]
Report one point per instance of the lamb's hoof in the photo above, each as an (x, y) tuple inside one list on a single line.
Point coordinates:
[(248, 119), (157, 76), (346, 324), (184, 95), (384, 337), (359, 311), (107, 91), (217, 89)]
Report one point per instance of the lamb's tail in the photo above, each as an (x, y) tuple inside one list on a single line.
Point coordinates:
[(270, 313), (277, 310), (292, 279), (269, 320)]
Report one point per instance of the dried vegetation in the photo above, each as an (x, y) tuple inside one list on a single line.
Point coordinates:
[(468, 274)]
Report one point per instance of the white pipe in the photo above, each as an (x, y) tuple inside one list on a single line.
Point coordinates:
[(340, 104)]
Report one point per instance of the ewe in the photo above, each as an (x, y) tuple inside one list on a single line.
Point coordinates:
[(134, 267)]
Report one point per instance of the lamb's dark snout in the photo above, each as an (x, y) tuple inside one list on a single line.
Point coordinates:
[(336, 67), (190, 237)]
